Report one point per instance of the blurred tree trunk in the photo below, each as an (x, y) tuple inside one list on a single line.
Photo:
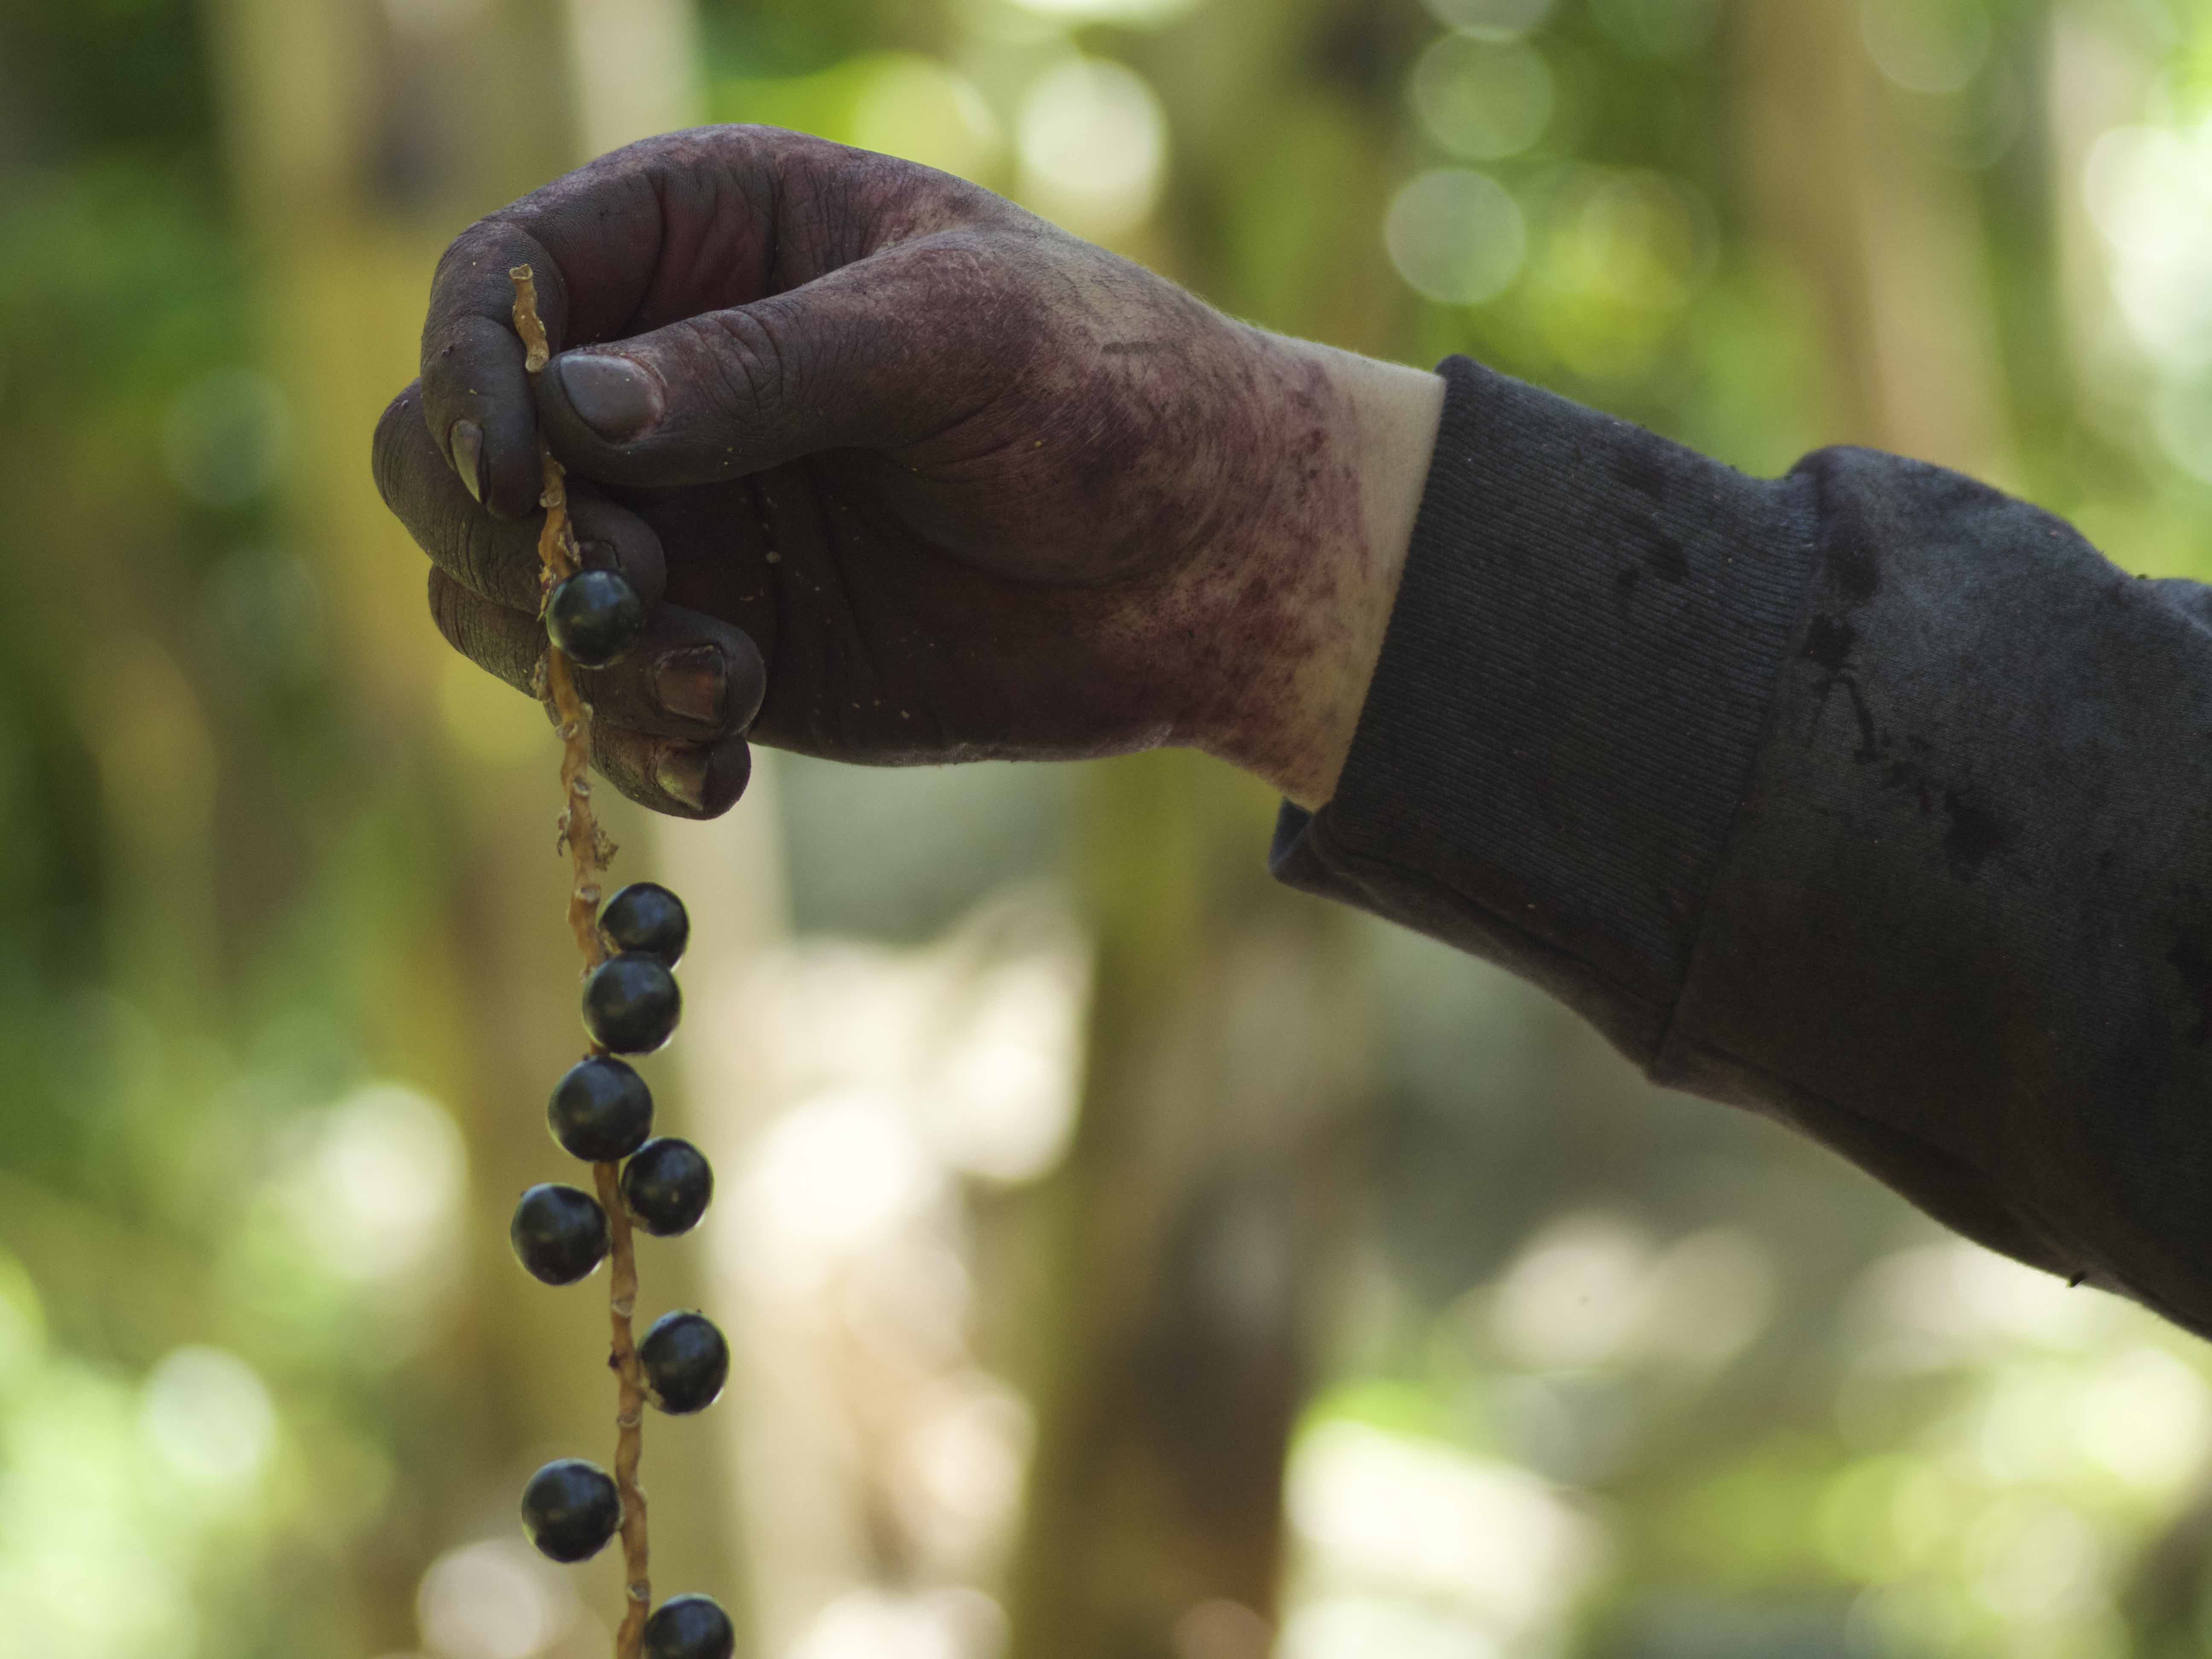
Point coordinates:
[(1175, 1281), (1179, 1290), (363, 137), (1883, 233)]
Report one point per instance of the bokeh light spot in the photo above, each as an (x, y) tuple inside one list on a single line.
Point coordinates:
[(918, 108), (375, 1189), (1638, 241), (494, 1600), (836, 1175), (1576, 1295), (208, 1417), (1420, 1518), (2149, 193), (2032, 1559), (1092, 140), (1457, 236), (1482, 100), (2148, 1418)]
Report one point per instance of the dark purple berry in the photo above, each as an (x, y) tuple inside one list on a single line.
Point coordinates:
[(570, 1508), (666, 1186), (631, 1004), (595, 617), (686, 1362), (559, 1233), (690, 1627), (600, 1111), (645, 917)]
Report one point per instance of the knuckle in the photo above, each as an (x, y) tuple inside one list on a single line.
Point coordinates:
[(481, 632), (748, 359), (393, 438), (446, 610), (467, 251), (474, 541)]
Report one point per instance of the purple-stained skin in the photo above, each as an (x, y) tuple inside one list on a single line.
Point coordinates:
[(935, 480)]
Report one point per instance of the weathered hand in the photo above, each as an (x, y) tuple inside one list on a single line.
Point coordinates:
[(973, 488)]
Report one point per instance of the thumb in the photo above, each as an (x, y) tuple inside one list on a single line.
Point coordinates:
[(878, 353)]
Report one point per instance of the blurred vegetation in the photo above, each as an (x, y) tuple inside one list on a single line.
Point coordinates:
[(1585, 1369)]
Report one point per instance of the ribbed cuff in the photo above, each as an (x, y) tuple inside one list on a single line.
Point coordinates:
[(1571, 693)]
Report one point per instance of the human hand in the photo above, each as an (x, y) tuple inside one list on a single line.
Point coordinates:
[(905, 475)]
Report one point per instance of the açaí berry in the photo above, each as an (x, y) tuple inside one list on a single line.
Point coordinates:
[(666, 1185), (595, 617), (601, 1110), (685, 1362), (690, 1627), (647, 918), (559, 1233), (631, 1004), (570, 1508)]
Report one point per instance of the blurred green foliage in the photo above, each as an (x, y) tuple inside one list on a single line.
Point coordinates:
[(199, 1419)]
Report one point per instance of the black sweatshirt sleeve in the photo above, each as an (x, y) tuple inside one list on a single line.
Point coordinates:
[(1868, 798)]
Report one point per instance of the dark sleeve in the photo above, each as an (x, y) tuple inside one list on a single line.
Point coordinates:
[(1870, 797)]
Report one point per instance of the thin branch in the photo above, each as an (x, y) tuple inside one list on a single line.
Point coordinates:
[(629, 1416), (591, 852)]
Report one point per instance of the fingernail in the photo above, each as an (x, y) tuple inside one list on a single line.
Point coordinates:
[(613, 396), (693, 684), (466, 443), (597, 555), (683, 774), (708, 781)]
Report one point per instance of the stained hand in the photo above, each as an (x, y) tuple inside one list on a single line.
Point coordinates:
[(904, 473)]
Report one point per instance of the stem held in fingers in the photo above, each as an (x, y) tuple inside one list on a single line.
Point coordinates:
[(591, 852)]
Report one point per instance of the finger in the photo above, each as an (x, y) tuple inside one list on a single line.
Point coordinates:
[(877, 354), (505, 642), (684, 780), (476, 393), (660, 229), (498, 558), (688, 677), (688, 779)]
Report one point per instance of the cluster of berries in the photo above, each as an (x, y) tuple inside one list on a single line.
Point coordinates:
[(602, 1112)]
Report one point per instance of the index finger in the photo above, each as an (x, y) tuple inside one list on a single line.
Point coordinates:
[(663, 228), (476, 395)]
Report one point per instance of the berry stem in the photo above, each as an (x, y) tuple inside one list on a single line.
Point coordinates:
[(579, 831), (629, 1413), (591, 852)]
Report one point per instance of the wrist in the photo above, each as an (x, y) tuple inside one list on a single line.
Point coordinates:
[(1328, 569), (1396, 412)]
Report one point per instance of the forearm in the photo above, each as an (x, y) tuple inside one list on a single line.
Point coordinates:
[(1867, 797)]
